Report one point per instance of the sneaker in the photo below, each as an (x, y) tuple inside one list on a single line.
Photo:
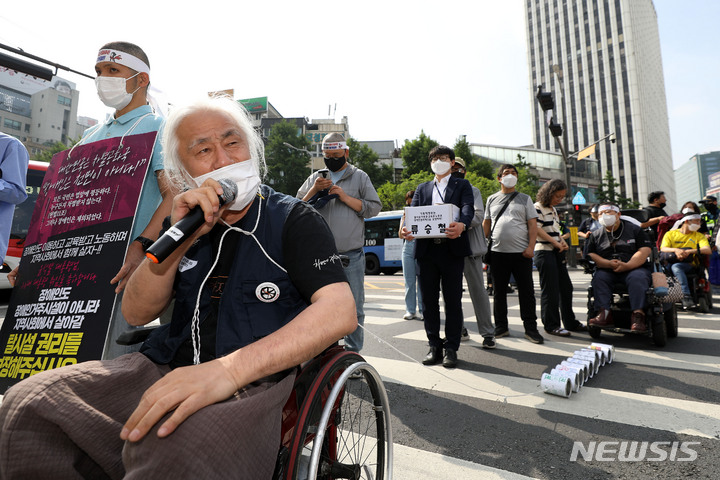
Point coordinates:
[(560, 332), (488, 342), (356, 375), (687, 302), (464, 336), (534, 336), (408, 316), (501, 332), (419, 316), (580, 328)]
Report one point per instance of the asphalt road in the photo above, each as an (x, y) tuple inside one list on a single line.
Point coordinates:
[(490, 419)]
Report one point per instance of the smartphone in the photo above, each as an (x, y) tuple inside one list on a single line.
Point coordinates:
[(324, 172)]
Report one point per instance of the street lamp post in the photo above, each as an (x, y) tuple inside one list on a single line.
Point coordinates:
[(547, 103)]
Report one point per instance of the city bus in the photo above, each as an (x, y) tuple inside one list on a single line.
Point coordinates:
[(383, 246), (21, 220)]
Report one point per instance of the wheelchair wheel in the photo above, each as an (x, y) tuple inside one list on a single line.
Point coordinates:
[(703, 304), (671, 321), (594, 331), (344, 425), (660, 331)]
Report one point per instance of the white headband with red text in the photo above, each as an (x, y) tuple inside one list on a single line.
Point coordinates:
[(122, 58)]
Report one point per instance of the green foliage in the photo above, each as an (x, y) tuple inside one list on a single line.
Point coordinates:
[(392, 195), (415, 155), (462, 150), (609, 191), (287, 168), (57, 147), (482, 167), (365, 158)]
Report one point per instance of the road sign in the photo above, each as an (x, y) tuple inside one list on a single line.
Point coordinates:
[(578, 199)]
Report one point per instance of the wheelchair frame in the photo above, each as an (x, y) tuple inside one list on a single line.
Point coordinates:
[(661, 319), (335, 426)]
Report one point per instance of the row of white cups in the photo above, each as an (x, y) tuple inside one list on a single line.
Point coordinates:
[(571, 374)]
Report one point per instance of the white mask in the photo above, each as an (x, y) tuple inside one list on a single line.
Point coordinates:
[(113, 91), (694, 227), (439, 167), (687, 210), (245, 176), (509, 181), (607, 220)]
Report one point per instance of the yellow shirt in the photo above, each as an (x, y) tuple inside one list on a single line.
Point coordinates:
[(677, 239)]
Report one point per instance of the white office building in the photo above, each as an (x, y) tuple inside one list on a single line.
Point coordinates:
[(601, 60)]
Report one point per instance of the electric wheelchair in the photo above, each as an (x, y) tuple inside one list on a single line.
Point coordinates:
[(660, 317)]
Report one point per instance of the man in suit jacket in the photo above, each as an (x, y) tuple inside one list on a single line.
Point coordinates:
[(441, 260)]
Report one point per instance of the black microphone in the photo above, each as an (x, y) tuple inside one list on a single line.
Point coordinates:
[(186, 226)]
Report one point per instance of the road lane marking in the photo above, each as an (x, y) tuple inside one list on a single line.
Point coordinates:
[(673, 415)]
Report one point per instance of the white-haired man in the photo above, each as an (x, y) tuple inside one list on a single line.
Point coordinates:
[(203, 399), (345, 199)]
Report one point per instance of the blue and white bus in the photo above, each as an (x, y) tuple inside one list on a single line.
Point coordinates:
[(383, 246)]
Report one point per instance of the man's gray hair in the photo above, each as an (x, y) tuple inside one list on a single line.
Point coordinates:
[(175, 171)]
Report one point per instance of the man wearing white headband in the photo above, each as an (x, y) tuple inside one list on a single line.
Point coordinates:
[(345, 198), (123, 77), (619, 251), (685, 243)]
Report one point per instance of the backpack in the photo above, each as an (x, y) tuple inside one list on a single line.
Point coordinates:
[(665, 225)]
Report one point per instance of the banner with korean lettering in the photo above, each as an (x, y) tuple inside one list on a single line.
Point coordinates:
[(62, 303)]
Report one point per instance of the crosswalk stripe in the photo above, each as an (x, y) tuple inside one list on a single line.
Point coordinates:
[(411, 463), (673, 415), (683, 361)]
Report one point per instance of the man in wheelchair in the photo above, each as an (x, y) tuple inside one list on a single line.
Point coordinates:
[(259, 288), (682, 248), (619, 250)]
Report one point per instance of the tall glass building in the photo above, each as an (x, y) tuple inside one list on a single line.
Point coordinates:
[(601, 60)]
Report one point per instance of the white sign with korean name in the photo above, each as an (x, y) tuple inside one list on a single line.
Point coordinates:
[(430, 221)]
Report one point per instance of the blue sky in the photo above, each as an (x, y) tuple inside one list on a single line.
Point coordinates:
[(393, 67)]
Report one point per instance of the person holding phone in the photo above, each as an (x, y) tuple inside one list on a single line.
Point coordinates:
[(350, 198)]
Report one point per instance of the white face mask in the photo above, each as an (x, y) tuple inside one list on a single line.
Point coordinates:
[(687, 210), (439, 167), (113, 91), (694, 227), (509, 181), (245, 176), (607, 220)]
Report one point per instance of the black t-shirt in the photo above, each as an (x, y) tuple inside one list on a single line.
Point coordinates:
[(622, 244), (311, 261), (652, 212)]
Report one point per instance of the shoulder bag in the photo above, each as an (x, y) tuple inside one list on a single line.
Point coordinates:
[(487, 258)]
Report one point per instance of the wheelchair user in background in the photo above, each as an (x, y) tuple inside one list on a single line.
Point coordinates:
[(620, 251), (682, 249)]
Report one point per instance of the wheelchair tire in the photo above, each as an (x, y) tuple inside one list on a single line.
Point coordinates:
[(660, 332), (703, 305), (671, 321), (343, 426), (594, 331)]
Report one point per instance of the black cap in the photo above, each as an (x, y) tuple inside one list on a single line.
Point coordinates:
[(708, 199)]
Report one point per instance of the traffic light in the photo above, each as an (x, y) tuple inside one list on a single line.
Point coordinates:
[(577, 214), (545, 99), (555, 128)]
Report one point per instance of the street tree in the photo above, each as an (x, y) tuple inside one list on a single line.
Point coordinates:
[(287, 168), (392, 195), (57, 147), (415, 155), (609, 191), (366, 160)]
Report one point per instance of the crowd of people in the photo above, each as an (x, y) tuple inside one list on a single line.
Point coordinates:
[(225, 363), (522, 235)]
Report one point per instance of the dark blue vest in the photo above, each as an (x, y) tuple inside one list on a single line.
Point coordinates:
[(258, 298)]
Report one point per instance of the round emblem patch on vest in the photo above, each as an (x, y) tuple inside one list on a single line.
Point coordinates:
[(267, 292)]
